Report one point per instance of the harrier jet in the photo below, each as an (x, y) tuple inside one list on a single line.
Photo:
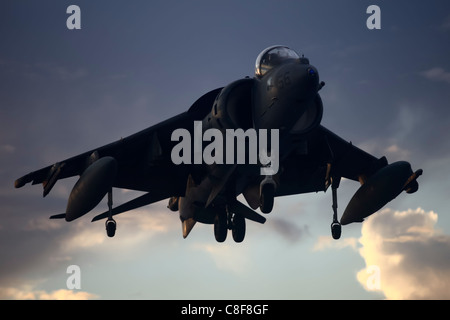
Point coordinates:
[(202, 177)]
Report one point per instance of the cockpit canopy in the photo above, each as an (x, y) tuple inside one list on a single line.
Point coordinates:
[(273, 56)]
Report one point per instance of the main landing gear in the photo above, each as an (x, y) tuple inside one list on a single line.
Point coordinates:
[(110, 224), (267, 190), (226, 220), (336, 228)]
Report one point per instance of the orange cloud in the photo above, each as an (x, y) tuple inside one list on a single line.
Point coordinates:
[(406, 254), (29, 293)]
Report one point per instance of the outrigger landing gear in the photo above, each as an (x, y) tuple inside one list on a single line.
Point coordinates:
[(336, 228), (110, 222)]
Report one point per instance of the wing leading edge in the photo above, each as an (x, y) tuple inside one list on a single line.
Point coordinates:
[(348, 161)]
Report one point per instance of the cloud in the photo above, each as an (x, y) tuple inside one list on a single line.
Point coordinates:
[(326, 242), (396, 152), (288, 230), (437, 74), (7, 149), (45, 246), (410, 255), (446, 24), (392, 148), (84, 239), (231, 258), (133, 229), (42, 224), (29, 293)]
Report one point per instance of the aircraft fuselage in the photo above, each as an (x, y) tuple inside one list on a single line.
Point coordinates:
[(282, 99)]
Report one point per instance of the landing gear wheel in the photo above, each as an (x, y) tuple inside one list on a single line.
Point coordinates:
[(111, 227), (221, 226), (336, 230), (267, 197), (238, 228), (110, 224)]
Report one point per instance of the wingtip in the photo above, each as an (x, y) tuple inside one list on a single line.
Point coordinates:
[(19, 183)]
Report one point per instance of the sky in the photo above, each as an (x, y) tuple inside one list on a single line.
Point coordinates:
[(134, 64)]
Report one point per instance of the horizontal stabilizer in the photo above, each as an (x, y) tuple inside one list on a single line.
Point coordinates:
[(240, 208), (138, 202), (58, 216)]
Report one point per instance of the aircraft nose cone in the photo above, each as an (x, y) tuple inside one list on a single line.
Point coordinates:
[(306, 81), (312, 72)]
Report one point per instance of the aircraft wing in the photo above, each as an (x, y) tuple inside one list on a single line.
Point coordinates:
[(136, 156), (143, 159), (321, 155), (347, 160)]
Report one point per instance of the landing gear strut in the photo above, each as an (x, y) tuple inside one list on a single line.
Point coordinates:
[(336, 227), (110, 222)]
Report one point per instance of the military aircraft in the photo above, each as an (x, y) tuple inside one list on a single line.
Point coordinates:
[(282, 96)]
